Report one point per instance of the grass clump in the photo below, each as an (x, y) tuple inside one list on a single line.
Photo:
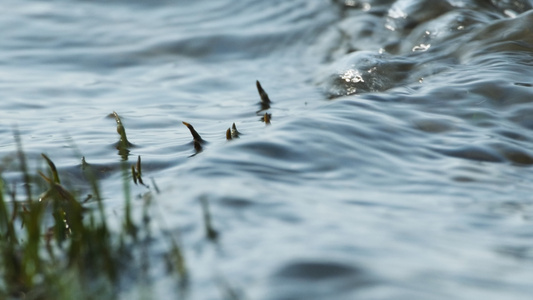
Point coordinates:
[(57, 247), (49, 246)]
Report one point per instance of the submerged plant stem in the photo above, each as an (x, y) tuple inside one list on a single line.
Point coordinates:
[(211, 233), (23, 166)]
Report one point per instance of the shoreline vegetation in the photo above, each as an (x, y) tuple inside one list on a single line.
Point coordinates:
[(60, 245)]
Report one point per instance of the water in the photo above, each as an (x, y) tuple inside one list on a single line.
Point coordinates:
[(398, 164)]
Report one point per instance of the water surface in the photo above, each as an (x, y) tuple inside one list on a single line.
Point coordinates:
[(398, 161)]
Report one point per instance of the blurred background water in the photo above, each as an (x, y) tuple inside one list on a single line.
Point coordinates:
[(398, 162)]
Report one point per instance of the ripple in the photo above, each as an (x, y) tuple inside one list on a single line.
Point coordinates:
[(400, 130), (319, 280), (317, 271)]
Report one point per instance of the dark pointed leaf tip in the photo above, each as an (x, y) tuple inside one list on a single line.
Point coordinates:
[(234, 132), (266, 118), (196, 137), (264, 96), (228, 134)]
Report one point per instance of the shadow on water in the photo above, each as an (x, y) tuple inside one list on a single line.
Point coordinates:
[(319, 279)]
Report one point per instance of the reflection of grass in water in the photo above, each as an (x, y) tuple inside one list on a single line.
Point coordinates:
[(55, 248)]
